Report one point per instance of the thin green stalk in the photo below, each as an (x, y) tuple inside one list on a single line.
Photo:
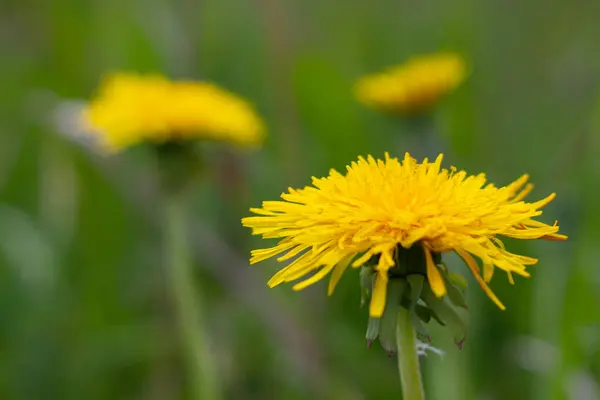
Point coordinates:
[(202, 374), (421, 137), (408, 359)]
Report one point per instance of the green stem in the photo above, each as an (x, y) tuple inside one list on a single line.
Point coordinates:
[(408, 359), (202, 375), (421, 137)]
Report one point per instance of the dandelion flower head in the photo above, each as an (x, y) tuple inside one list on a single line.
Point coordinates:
[(129, 109), (413, 86), (380, 206)]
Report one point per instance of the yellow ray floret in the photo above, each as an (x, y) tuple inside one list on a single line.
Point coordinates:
[(378, 205), (130, 109), (413, 86)]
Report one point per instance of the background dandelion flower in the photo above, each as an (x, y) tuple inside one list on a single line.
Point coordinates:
[(413, 86), (130, 109), (382, 205)]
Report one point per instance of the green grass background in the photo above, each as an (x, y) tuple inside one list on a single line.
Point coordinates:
[(84, 309)]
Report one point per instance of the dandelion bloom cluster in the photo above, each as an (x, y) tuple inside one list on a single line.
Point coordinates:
[(379, 205), (130, 109), (413, 86)]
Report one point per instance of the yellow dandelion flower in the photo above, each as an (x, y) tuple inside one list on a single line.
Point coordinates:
[(130, 109), (413, 86), (380, 206)]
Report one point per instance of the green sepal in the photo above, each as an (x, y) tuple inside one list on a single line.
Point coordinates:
[(366, 283), (420, 330), (446, 312), (437, 318), (458, 280), (415, 282), (372, 330), (442, 266), (389, 319), (455, 294), (423, 313)]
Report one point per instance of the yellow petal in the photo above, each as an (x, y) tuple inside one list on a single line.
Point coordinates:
[(296, 269), (337, 273), (379, 292), (510, 278), (488, 272), (520, 196), (555, 236), (472, 264), (433, 275), (315, 278), (263, 254), (363, 259)]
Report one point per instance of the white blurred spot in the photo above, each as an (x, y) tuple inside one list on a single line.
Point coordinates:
[(67, 120), (423, 348), (581, 385), (533, 354), (27, 250)]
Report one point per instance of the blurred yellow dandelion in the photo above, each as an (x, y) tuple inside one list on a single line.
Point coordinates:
[(130, 109), (413, 86), (379, 205)]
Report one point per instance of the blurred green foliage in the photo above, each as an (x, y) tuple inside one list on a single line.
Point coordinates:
[(83, 308)]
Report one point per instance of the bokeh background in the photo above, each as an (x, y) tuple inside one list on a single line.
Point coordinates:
[(84, 308)]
